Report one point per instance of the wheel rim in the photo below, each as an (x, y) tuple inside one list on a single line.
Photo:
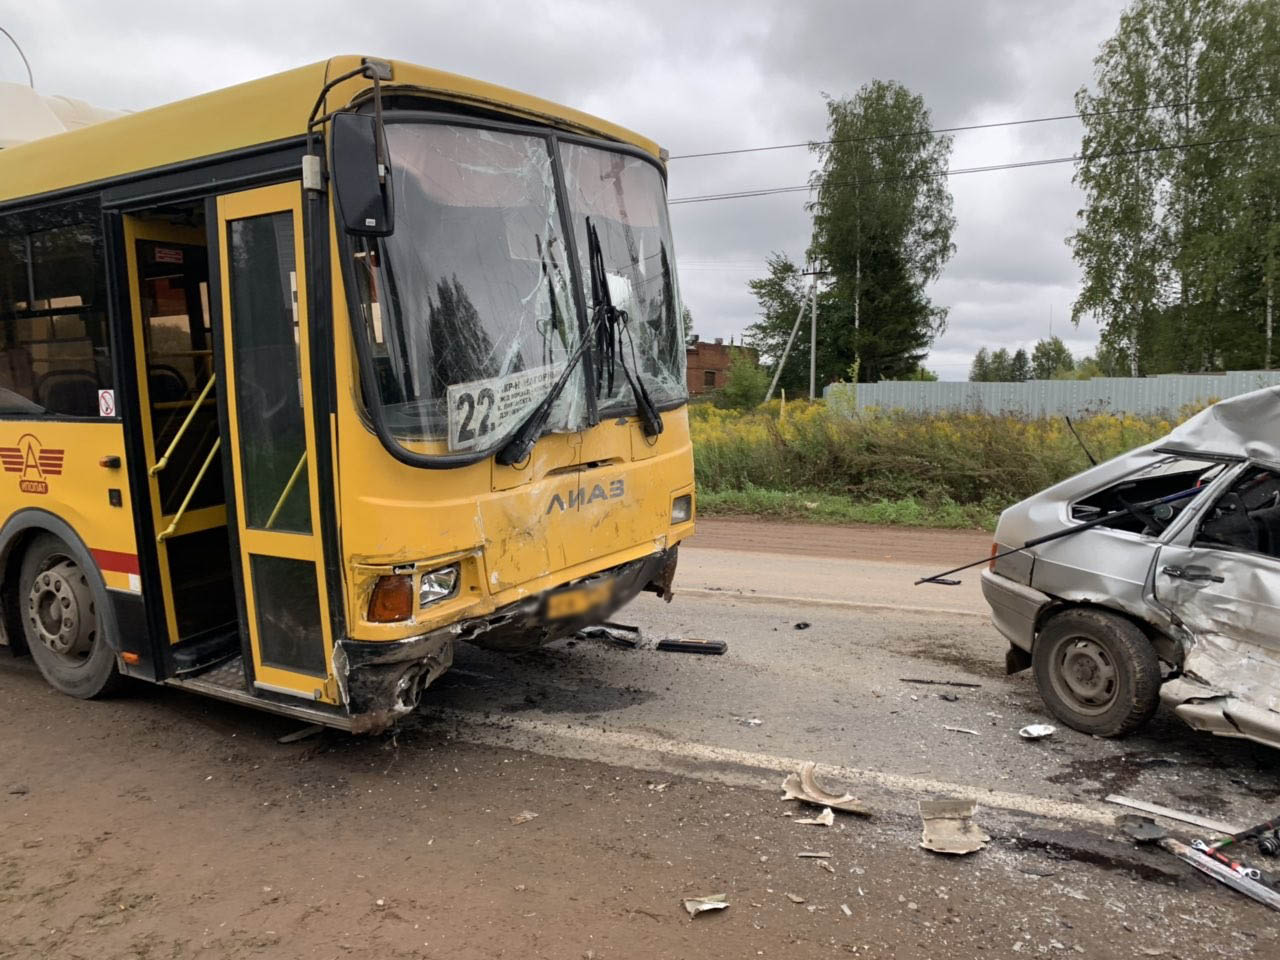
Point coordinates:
[(1085, 675), (60, 610)]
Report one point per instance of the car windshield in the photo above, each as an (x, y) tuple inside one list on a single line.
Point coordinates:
[(468, 307)]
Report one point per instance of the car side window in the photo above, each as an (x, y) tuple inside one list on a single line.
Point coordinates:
[(1246, 517), (1176, 479)]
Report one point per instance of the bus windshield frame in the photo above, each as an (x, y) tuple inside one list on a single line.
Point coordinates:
[(401, 297)]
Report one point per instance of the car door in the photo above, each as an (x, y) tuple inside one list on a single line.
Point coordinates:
[(1221, 579)]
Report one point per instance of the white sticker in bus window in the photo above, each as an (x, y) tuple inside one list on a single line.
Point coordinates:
[(483, 410), (106, 403)]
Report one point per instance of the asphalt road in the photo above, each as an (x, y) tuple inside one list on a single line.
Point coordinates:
[(836, 692)]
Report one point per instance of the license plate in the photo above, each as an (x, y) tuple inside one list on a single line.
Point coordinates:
[(578, 600)]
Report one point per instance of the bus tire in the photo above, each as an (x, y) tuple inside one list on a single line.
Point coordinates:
[(63, 623), (1096, 672)]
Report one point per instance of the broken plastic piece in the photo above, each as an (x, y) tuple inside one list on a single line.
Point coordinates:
[(814, 854), (794, 899), (972, 733), (804, 786), (1037, 731), (692, 645), (524, 816), (1140, 829), (948, 827), (619, 634), (825, 819), (697, 905), (803, 625)]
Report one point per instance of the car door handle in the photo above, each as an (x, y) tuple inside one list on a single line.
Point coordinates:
[(1192, 573)]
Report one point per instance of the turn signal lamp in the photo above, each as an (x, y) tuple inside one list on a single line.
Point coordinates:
[(438, 585), (392, 599), (991, 564)]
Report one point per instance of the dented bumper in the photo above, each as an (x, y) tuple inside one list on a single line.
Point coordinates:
[(383, 681)]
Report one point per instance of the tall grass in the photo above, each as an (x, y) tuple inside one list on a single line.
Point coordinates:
[(966, 465)]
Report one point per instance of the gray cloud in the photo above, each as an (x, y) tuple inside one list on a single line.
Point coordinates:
[(705, 76)]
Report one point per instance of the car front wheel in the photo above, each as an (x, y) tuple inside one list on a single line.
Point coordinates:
[(1097, 672)]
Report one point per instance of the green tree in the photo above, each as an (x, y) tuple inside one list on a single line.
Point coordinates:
[(1049, 358), (745, 383), (980, 369), (1179, 235), (920, 374), (1000, 368), (1019, 366), (882, 224)]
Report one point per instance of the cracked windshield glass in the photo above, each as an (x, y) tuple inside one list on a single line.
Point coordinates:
[(625, 200), (468, 307)]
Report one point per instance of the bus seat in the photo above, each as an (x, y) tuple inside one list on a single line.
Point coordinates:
[(73, 393)]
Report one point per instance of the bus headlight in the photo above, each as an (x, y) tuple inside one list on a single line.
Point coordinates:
[(682, 508), (438, 585)]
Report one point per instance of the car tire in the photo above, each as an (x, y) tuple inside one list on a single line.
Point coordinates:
[(62, 624), (1096, 672)]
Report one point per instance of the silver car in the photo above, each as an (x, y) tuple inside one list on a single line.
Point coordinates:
[(1173, 592)]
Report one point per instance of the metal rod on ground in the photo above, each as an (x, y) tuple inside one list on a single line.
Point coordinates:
[(1058, 535)]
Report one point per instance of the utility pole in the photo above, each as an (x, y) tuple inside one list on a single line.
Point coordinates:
[(795, 328), (813, 331)]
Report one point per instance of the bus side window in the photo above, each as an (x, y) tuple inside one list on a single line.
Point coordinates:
[(55, 352)]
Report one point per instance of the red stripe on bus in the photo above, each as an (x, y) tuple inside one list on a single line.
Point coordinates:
[(116, 562)]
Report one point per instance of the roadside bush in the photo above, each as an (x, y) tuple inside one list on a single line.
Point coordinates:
[(946, 461)]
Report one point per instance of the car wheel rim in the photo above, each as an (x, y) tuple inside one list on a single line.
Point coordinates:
[(60, 611), (1085, 675)]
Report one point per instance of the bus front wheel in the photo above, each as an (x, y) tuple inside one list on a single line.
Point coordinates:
[(62, 623)]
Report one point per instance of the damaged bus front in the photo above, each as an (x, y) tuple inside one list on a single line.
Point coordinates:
[(1175, 599), (513, 453)]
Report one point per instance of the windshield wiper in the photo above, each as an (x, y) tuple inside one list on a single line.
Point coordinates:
[(605, 318), (610, 323)]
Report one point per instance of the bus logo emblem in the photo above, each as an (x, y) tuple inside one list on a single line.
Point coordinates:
[(32, 462)]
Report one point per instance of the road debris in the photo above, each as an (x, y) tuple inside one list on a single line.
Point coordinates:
[(304, 734), (524, 816), (748, 721), (618, 634), (659, 787), (804, 786), (948, 827), (697, 905), (794, 899), (939, 683), (1140, 829), (19, 789), (1217, 826), (972, 733), (825, 819), (949, 697), (692, 645), (844, 908), (1037, 731), (814, 854), (1250, 886), (825, 865), (803, 625)]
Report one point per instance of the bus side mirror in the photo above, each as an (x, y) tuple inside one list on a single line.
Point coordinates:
[(361, 175)]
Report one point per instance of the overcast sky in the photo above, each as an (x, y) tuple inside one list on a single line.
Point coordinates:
[(699, 76)]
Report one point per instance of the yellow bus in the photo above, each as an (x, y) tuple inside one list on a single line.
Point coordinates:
[(305, 380)]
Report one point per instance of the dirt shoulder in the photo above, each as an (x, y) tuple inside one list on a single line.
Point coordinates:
[(898, 544), (162, 825)]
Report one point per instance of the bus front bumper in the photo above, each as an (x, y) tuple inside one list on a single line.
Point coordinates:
[(382, 682)]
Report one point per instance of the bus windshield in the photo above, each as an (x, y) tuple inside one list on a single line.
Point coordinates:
[(469, 310)]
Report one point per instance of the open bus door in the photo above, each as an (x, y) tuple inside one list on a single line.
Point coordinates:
[(270, 437)]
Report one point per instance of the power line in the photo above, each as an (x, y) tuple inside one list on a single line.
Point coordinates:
[(1016, 165), (973, 126)]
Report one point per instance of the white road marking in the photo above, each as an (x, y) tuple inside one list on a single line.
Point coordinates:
[(703, 592), (645, 751)]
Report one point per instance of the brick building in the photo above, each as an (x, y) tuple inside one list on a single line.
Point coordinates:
[(708, 363)]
